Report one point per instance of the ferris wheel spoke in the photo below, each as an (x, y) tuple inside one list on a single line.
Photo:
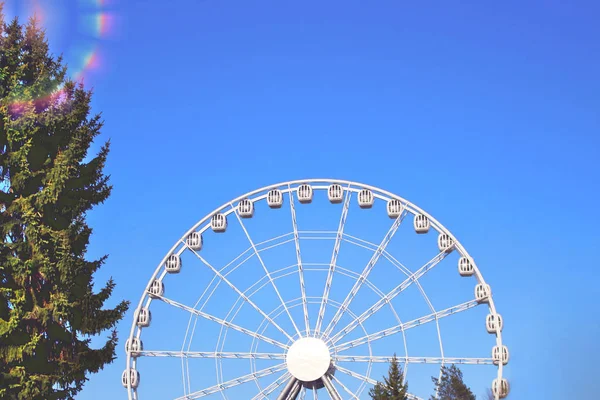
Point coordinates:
[(356, 375), (336, 249), (233, 382), (365, 273), (222, 322), (262, 263), (247, 254), (407, 272), (336, 380), (390, 296), (300, 267), (407, 325), (242, 294), (361, 243), (264, 394), (415, 360), (211, 354)]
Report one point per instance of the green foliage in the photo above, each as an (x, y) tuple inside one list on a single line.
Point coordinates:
[(392, 387), (48, 306), (451, 386)]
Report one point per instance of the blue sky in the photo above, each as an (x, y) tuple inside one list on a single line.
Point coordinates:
[(485, 115)]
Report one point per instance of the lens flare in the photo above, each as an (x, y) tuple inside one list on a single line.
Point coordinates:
[(38, 12), (98, 23), (86, 24)]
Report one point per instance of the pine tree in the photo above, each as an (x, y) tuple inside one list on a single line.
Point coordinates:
[(49, 309), (392, 387), (451, 385)]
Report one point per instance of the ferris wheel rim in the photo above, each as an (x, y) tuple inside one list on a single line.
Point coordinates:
[(286, 187)]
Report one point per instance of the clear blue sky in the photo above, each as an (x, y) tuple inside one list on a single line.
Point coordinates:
[(486, 115)]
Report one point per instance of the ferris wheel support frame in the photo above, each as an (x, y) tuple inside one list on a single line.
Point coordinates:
[(351, 187)]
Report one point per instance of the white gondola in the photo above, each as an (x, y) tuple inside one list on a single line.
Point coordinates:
[(275, 198), (465, 267), (500, 388), (482, 293), (305, 193), (394, 208), (246, 208), (130, 377), (156, 289), (134, 346), (365, 198), (421, 224), (173, 264), (144, 317), (335, 193), (493, 323), (194, 241), (445, 242), (500, 355), (218, 223)]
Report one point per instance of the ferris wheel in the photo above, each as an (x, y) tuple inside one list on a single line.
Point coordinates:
[(297, 291)]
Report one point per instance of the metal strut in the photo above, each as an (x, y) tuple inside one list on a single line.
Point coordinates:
[(291, 390), (295, 391), (330, 388)]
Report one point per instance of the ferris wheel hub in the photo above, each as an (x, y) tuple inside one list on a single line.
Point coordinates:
[(308, 359)]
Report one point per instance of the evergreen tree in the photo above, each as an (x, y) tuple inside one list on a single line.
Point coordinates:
[(451, 386), (392, 387), (378, 392), (49, 309)]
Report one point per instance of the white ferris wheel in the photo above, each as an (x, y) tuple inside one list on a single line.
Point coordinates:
[(305, 290)]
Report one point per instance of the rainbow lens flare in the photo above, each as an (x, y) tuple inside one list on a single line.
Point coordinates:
[(84, 26), (97, 23)]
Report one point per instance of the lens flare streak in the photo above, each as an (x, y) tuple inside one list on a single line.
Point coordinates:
[(93, 18)]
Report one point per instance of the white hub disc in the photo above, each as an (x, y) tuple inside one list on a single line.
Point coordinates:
[(308, 359)]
